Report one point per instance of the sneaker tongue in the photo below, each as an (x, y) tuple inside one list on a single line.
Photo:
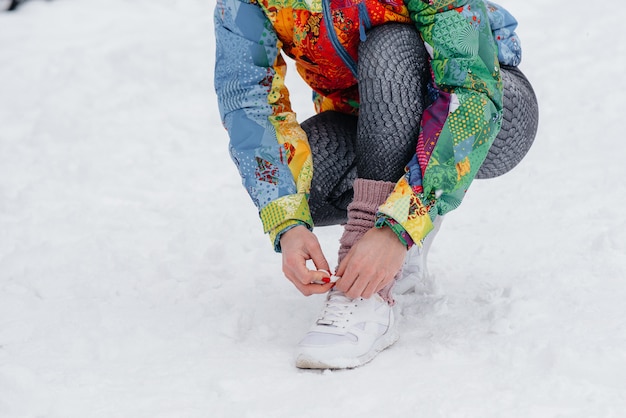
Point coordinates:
[(335, 296)]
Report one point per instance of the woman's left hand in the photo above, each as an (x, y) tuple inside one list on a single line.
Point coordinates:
[(371, 264)]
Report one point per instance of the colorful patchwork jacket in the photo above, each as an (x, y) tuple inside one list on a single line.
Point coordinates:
[(466, 39)]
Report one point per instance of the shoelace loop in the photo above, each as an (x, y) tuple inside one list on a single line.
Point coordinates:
[(337, 310)]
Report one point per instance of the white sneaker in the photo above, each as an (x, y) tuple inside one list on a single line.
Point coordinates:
[(414, 275), (348, 333)]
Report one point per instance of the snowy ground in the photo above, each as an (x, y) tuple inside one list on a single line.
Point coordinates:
[(135, 281)]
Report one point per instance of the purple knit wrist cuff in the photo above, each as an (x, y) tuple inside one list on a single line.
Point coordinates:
[(371, 191)]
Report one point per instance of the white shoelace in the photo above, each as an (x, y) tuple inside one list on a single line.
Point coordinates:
[(337, 310)]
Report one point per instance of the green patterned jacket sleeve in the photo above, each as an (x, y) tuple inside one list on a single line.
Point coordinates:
[(461, 124)]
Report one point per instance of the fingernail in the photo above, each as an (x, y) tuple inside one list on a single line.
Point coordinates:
[(326, 279)]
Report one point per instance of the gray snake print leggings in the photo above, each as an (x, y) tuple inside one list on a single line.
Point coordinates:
[(377, 145)]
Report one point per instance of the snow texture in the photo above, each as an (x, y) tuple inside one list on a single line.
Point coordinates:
[(135, 280)]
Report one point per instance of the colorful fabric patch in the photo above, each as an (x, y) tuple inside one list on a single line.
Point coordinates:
[(291, 207)]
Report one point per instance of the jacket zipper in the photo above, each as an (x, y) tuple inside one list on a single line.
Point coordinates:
[(364, 23)]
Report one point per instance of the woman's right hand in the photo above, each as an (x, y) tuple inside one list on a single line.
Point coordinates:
[(299, 245)]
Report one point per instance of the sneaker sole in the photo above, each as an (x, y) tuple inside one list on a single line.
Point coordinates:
[(386, 340)]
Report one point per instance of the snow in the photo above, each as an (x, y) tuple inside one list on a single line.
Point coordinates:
[(135, 280)]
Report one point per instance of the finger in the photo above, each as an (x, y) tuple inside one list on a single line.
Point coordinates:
[(318, 258), (304, 289), (320, 288), (314, 277), (295, 269), (303, 278), (312, 289), (341, 269), (389, 278), (372, 287), (320, 277), (345, 282), (357, 288), (345, 277)]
